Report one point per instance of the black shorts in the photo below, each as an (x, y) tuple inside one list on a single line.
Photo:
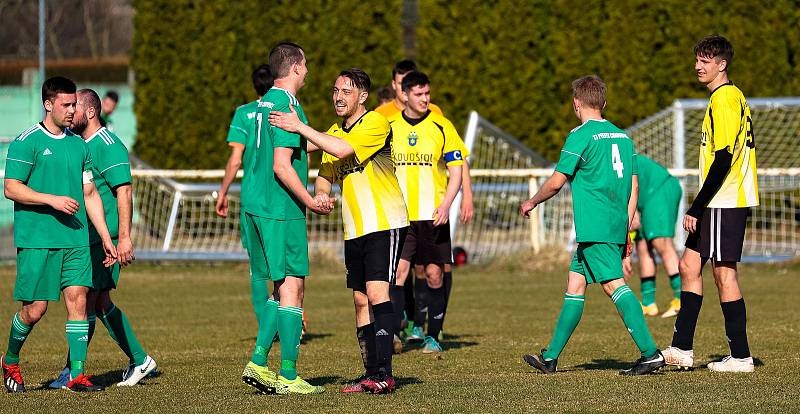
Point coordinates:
[(373, 257), (720, 234), (426, 244)]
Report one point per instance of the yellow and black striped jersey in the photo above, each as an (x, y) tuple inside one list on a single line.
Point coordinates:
[(422, 150), (728, 125), (371, 196)]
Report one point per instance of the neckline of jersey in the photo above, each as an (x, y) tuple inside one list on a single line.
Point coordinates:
[(95, 133), (413, 121), (347, 130), (287, 92), (728, 83), (50, 134)]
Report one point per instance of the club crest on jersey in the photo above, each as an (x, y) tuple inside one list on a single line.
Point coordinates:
[(412, 139)]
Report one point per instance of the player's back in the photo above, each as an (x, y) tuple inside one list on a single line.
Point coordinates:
[(110, 168), (601, 185), (268, 197)]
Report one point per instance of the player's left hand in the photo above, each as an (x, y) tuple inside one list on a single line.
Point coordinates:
[(125, 251), (287, 121), (441, 215), (526, 207), (467, 210), (689, 223), (111, 252)]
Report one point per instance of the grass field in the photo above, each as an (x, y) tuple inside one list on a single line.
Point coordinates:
[(197, 322)]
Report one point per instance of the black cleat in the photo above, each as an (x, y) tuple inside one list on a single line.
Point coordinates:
[(645, 365), (538, 362)]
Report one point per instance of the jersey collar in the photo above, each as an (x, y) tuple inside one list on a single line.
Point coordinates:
[(51, 135), (95, 134), (728, 83), (347, 130), (413, 121), (287, 92)]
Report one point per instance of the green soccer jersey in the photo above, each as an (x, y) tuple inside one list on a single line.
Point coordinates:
[(50, 164), (110, 168), (268, 197), (652, 177), (599, 160), (243, 131)]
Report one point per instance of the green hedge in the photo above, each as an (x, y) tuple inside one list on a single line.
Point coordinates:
[(511, 62)]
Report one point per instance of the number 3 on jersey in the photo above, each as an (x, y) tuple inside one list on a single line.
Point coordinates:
[(616, 160)]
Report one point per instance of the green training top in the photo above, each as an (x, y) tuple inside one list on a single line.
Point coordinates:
[(110, 168), (243, 131), (268, 197), (50, 164), (652, 177), (599, 160)]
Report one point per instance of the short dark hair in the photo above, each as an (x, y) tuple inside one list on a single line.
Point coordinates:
[(90, 98), (715, 46), (385, 93), (262, 79), (282, 57), (404, 66), (359, 78), (56, 85), (414, 78), (591, 91), (113, 95)]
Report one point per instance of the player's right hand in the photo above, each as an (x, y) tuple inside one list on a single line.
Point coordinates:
[(526, 207), (65, 204), (321, 204), (125, 254), (222, 205), (111, 253)]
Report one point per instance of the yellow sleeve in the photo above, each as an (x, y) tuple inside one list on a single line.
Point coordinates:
[(369, 136), (726, 121), (326, 168), (455, 151)]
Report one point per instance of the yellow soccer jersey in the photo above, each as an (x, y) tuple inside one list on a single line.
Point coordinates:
[(371, 196), (422, 150), (390, 109), (728, 125)]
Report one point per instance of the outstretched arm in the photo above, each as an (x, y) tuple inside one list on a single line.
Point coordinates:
[(288, 176), (289, 121), (550, 188)]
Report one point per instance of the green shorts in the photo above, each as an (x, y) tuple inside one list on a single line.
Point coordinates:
[(598, 262), (43, 273), (243, 228), (103, 278), (661, 212), (277, 248)]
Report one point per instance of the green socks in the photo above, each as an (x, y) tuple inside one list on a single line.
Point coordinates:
[(631, 311), (568, 320), (648, 290), (16, 338), (290, 326), (267, 328), (78, 342), (675, 284), (121, 332)]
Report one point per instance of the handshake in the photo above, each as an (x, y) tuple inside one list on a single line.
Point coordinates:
[(322, 203)]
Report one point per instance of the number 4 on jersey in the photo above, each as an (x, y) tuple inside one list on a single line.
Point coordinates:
[(616, 160)]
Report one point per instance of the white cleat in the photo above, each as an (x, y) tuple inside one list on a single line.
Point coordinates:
[(731, 364), (678, 357), (134, 374)]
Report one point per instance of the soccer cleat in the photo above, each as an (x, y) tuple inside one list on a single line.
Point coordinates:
[(397, 345), (674, 308), (297, 386), (356, 386), (547, 366), (431, 346), (678, 357), (731, 364), (650, 310), (62, 380), (138, 372), (12, 377), (261, 378), (383, 384), (416, 334), (83, 384), (645, 365), (129, 370)]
